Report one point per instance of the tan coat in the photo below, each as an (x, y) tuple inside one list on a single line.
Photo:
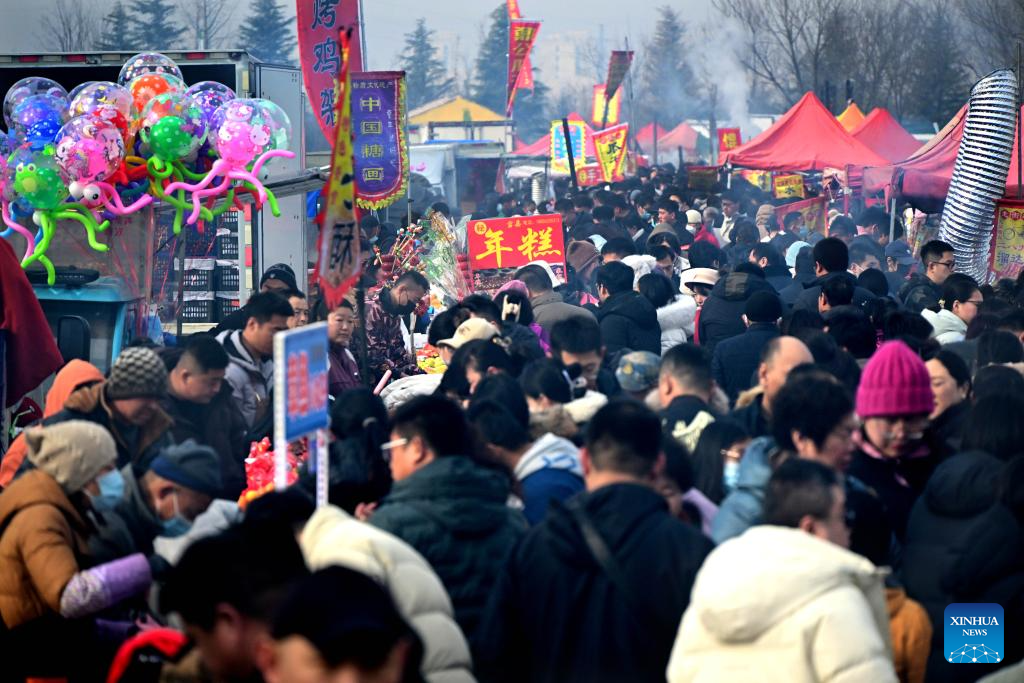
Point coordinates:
[(911, 631), (43, 537)]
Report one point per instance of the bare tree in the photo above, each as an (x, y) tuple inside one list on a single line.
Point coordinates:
[(72, 25), (994, 27), (209, 22)]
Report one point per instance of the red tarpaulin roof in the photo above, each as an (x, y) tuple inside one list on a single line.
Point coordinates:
[(806, 138), (542, 147), (645, 137), (925, 175), (683, 136), (884, 134)]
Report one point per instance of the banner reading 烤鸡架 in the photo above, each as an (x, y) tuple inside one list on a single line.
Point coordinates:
[(319, 22), (380, 151)]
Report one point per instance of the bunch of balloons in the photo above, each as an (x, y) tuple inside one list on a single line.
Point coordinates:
[(110, 149)]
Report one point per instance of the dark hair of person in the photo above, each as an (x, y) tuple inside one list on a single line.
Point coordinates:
[(994, 425), (563, 205), (265, 305), (624, 436), (546, 377), (358, 471), (832, 255), (604, 213), (708, 461), (842, 225), (583, 201), (906, 324), (668, 239), (669, 205), (791, 219), (504, 390), (576, 335), (494, 424), (415, 278), (250, 567), (439, 421), (804, 263), (657, 289), (443, 326), (678, 464), (996, 379), (838, 291), (1012, 320), (957, 287), (620, 246), (482, 306), (764, 250), (746, 232), (799, 488), (703, 254), (932, 251), (955, 366), (801, 319), (998, 347), (853, 331), (874, 281), (811, 406), (514, 307), (661, 252), (688, 364), (750, 269), (480, 355), (205, 353), (861, 249), (442, 208), (873, 216), (535, 278), (982, 323), (831, 359), (616, 277)]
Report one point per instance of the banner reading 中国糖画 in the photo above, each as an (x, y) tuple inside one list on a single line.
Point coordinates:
[(338, 258), (526, 74), (380, 150), (559, 153), (614, 107), (610, 146), (728, 138), (319, 22), (499, 246), (789, 186), (618, 66), (812, 210), (1007, 254), (521, 35)]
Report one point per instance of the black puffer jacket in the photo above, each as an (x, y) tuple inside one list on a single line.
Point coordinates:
[(963, 545), (721, 316), (629, 321), (808, 299)]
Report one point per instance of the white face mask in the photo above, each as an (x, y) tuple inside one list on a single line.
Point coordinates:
[(731, 474)]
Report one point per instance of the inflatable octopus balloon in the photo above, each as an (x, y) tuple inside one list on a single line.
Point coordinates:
[(27, 87)]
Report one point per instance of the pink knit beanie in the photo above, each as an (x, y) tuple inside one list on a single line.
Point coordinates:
[(894, 382)]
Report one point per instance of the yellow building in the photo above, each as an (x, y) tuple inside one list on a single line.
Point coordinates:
[(456, 118)]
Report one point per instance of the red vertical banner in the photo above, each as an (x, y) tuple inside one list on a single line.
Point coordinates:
[(618, 65), (521, 36), (319, 22), (338, 259), (614, 107), (728, 138), (526, 75)]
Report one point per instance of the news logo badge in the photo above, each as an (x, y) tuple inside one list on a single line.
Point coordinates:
[(973, 633)]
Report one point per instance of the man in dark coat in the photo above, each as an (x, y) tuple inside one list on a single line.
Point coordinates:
[(831, 259), (278, 278), (924, 289), (778, 358), (596, 591), (452, 509), (735, 360), (721, 316), (200, 403), (628, 320), (685, 387)]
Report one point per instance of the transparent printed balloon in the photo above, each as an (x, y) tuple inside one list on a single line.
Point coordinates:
[(172, 126), (27, 87), (37, 118), (147, 86), (148, 63), (89, 149), (246, 128), (107, 101)]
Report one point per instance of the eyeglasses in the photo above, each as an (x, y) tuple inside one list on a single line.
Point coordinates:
[(388, 446), (948, 264), (976, 302)]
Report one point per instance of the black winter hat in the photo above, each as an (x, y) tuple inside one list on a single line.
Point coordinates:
[(763, 307), (191, 465)]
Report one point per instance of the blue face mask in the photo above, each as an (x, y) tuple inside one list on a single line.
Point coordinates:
[(176, 525), (804, 231), (111, 491), (731, 474)]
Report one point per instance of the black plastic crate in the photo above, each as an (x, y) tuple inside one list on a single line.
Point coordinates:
[(198, 280), (230, 221), (198, 311), (200, 244), (226, 307), (226, 279), (227, 246)]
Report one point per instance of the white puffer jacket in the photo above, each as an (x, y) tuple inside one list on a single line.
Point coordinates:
[(779, 605), (947, 328), (676, 320), (333, 537)]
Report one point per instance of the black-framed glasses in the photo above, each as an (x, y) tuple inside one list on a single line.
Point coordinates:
[(948, 264)]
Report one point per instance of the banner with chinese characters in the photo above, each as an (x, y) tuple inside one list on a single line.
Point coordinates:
[(812, 210), (702, 178), (1008, 239), (618, 65), (759, 179), (526, 75), (338, 259), (559, 154), (500, 246), (728, 138), (610, 146), (589, 175), (789, 186), (319, 22), (614, 107), (380, 151), (521, 35)]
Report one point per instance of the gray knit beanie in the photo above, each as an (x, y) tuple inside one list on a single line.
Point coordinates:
[(137, 373)]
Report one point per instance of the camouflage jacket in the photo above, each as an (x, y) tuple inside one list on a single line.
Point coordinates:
[(385, 345)]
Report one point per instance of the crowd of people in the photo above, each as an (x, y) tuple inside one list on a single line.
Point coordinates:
[(724, 448)]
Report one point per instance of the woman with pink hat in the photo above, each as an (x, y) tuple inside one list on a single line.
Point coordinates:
[(894, 455)]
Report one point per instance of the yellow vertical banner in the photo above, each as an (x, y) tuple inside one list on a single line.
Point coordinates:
[(614, 107), (1008, 239), (610, 147)]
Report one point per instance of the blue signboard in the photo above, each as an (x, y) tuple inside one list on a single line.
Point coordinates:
[(300, 382)]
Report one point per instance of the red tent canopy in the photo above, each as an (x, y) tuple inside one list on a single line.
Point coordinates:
[(683, 135), (542, 147), (645, 136), (883, 134), (806, 138), (924, 177)]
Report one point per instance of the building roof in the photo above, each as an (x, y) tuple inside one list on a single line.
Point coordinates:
[(454, 109)]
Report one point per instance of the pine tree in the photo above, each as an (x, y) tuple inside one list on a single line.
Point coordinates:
[(115, 33), (491, 73), (666, 79), (153, 26), (267, 33), (425, 76), (532, 111)]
